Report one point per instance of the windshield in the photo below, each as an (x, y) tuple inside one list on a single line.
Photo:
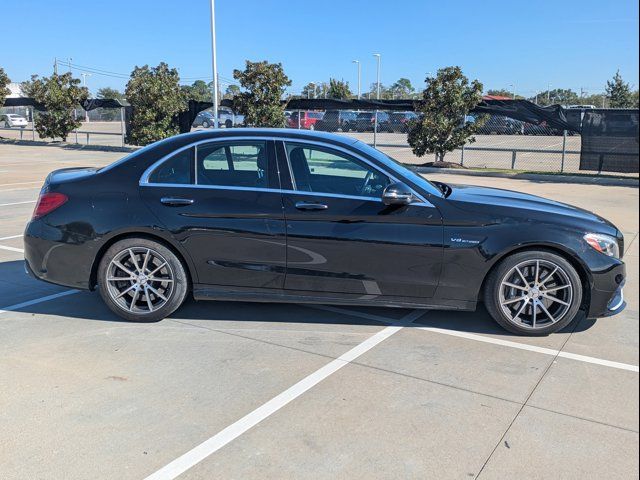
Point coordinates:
[(399, 168)]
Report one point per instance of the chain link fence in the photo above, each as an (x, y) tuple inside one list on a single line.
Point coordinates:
[(501, 143)]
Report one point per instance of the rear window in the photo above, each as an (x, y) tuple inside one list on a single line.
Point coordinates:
[(177, 169)]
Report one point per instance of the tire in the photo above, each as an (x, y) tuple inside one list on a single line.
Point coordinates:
[(205, 124), (557, 293), (228, 124), (140, 296)]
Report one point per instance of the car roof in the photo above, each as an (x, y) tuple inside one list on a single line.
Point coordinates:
[(199, 135)]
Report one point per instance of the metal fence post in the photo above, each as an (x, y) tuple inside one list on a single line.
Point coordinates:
[(462, 156), (299, 114), (122, 129), (564, 149), (375, 129), (513, 159), (33, 124)]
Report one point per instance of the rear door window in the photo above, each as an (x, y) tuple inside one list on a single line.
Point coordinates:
[(237, 164)]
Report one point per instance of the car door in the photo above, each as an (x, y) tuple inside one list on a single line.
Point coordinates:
[(341, 238), (221, 200)]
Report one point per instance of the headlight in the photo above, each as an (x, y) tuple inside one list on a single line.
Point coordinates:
[(603, 243)]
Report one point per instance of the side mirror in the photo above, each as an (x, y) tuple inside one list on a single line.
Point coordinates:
[(397, 194)]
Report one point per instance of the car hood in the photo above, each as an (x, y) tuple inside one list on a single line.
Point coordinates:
[(510, 203)]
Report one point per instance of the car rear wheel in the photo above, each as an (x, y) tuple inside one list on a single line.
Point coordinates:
[(141, 280), (205, 124), (533, 293)]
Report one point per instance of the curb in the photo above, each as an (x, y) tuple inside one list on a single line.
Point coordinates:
[(537, 177), (68, 146)]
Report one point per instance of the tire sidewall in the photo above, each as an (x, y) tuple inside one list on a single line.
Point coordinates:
[(491, 294), (178, 294)]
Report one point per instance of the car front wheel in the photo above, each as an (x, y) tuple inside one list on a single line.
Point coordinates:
[(141, 280), (533, 293)]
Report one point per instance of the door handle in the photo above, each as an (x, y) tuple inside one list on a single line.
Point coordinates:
[(176, 202), (311, 206)]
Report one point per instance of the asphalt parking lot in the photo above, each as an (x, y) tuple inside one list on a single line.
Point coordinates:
[(239, 390)]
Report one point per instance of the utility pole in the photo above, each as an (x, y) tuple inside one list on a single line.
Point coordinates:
[(548, 93), (357, 62), (214, 64), (84, 84), (55, 65)]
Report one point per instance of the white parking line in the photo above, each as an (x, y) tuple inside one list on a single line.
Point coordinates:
[(494, 341), (17, 203), (10, 237), (35, 301), (11, 249), (532, 348), (233, 431), (18, 183)]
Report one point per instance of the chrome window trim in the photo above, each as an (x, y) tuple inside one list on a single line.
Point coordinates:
[(144, 179)]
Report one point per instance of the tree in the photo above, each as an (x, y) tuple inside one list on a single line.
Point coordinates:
[(260, 102), (110, 114), (339, 89), (110, 93), (562, 96), (199, 91), (4, 82), (231, 91), (60, 95), (156, 98), (446, 101), (402, 88), (504, 93), (619, 92)]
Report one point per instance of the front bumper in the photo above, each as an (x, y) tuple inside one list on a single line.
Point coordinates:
[(607, 292)]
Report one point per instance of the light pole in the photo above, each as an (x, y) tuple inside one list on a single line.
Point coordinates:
[(548, 93), (377, 55), (214, 65), (84, 84), (357, 62), (375, 121), (513, 90)]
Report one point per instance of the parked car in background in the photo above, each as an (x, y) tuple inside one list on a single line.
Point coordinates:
[(501, 125), (541, 129), (10, 120), (399, 121), (226, 118), (334, 120), (308, 120), (365, 122)]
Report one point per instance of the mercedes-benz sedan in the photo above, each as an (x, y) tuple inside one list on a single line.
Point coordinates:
[(290, 216)]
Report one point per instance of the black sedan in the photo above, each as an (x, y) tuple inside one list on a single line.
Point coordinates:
[(294, 216)]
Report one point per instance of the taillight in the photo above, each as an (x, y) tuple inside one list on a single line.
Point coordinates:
[(48, 202)]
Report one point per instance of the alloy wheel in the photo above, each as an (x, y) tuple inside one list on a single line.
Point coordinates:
[(535, 294), (139, 280)]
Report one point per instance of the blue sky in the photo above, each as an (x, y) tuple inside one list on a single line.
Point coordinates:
[(570, 44)]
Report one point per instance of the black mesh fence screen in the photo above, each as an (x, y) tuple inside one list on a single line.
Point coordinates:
[(610, 141)]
